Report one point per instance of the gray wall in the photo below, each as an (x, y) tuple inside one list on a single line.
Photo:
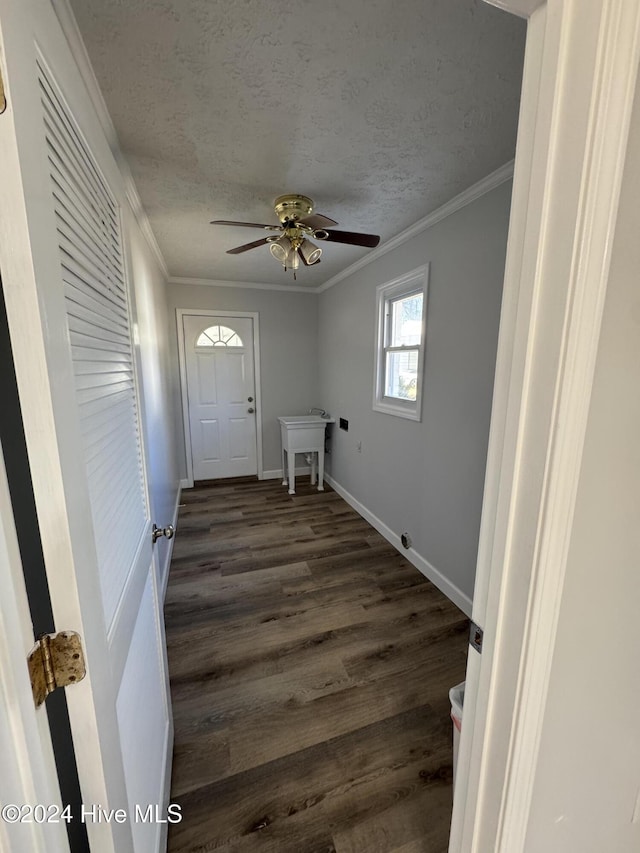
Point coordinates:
[(288, 352), (156, 397), (426, 478)]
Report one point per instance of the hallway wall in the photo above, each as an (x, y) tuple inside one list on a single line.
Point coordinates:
[(157, 402), (425, 477)]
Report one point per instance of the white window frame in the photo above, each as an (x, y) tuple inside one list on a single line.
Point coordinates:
[(412, 282)]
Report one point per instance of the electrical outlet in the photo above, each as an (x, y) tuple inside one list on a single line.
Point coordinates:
[(359, 446)]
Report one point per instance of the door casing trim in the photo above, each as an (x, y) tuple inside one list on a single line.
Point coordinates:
[(210, 312), (577, 103)]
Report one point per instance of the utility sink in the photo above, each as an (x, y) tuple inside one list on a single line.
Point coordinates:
[(305, 420), (303, 434)]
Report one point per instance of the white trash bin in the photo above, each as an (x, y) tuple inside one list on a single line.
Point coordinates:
[(456, 697)]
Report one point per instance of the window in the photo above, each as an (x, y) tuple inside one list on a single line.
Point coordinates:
[(219, 336), (401, 312)]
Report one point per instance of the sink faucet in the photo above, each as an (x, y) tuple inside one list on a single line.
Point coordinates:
[(321, 412)]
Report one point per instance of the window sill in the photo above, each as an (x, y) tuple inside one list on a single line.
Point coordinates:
[(397, 409)]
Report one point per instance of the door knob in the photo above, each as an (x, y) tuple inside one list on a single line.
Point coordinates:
[(251, 410), (157, 532), (250, 399)]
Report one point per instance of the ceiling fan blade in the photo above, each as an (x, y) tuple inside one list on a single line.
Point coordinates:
[(317, 220), (304, 260), (245, 224), (353, 238), (245, 248)]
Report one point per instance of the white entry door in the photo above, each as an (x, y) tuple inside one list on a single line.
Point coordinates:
[(221, 391), (63, 260)]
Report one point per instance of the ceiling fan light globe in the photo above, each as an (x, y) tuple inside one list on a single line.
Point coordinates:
[(278, 252), (310, 252), (292, 261), (280, 249)]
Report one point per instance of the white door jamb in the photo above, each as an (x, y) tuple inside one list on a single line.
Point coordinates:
[(578, 90)]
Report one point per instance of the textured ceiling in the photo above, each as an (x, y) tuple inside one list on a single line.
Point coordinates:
[(380, 110)]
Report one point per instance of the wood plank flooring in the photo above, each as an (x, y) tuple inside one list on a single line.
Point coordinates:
[(310, 666)]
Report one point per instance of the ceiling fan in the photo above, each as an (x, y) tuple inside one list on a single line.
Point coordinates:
[(297, 224)]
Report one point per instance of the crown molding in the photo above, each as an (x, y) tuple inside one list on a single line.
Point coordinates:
[(141, 217), (495, 179), (69, 26), (247, 285), (521, 8)]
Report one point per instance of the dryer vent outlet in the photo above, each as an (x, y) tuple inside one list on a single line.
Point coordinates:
[(406, 540)]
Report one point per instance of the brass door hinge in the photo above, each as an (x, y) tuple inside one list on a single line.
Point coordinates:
[(56, 660), (3, 97)]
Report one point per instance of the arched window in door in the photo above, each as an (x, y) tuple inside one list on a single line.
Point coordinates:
[(219, 336)]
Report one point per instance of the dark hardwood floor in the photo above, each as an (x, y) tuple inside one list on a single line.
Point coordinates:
[(310, 666)]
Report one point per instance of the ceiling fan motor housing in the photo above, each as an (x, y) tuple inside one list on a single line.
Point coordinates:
[(292, 207)]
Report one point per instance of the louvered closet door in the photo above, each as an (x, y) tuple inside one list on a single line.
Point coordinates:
[(69, 304), (97, 307)]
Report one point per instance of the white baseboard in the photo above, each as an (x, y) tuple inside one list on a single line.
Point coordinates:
[(424, 566), (276, 474)]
